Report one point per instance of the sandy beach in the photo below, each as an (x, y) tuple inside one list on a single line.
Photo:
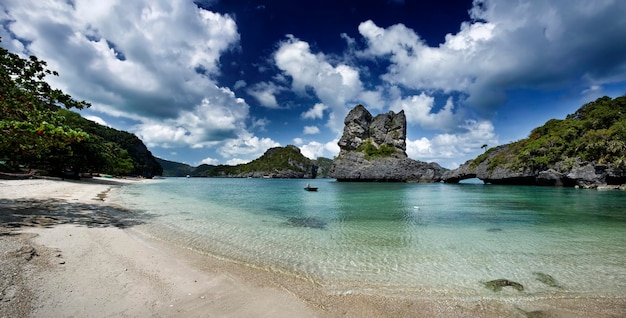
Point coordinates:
[(69, 249)]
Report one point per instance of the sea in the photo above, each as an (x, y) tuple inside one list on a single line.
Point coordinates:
[(429, 240)]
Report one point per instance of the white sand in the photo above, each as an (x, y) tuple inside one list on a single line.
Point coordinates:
[(87, 266)]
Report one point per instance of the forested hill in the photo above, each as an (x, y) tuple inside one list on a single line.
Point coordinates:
[(278, 162), (110, 150), (587, 148)]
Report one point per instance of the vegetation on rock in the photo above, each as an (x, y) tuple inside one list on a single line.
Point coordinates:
[(595, 133), (279, 162), (371, 151)]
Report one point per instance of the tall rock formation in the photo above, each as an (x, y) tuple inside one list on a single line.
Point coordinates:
[(374, 149)]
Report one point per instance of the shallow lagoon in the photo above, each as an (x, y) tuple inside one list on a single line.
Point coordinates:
[(392, 238)]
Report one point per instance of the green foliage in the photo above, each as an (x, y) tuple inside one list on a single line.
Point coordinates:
[(371, 151), (31, 131), (596, 132), (175, 169), (36, 132), (324, 166), (275, 160), (110, 150)]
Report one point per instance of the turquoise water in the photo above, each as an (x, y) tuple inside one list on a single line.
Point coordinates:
[(389, 238)]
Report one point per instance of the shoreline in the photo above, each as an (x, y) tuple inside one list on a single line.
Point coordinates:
[(80, 253)]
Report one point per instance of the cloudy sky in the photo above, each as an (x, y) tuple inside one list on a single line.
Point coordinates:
[(221, 81)]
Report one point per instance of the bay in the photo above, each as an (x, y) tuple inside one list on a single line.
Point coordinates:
[(395, 238)]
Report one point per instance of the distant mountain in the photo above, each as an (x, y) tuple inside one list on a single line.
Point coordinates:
[(587, 149), (175, 169), (278, 162)]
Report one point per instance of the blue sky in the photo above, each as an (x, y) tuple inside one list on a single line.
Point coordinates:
[(220, 82)]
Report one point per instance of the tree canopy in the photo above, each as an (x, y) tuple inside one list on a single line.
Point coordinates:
[(37, 130), (31, 130), (596, 132)]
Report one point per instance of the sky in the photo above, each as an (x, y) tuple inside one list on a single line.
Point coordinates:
[(221, 81)]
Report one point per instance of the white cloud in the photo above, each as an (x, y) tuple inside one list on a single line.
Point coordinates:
[(315, 149), (218, 117), (209, 161), (152, 61), (298, 141), (97, 120), (338, 87), (311, 130), (531, 44), (317, 112), (237, 161), (260, 123), (265, 93), (138, 57), (418, 110), (246, 145), (446, 149), (146, 60), (239, 84)]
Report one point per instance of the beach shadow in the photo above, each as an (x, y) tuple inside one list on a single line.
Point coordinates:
[(20, 213)]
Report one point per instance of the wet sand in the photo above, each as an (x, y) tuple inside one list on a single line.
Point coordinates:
[(67, 248)]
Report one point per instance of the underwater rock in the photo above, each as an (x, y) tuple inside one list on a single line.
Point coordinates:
[(497, 284), (546, 279), (532, 314), (494, 229), (307, 222)]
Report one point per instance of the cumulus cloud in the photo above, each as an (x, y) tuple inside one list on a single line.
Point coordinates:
[(337, 86), (418, 110), (311, 130), (216, 118), (531, 44), (151, 58), (445, 148), (317, 112), (239, 84), (209, 161), (152, 61), (265, 93), (246, 145), (315, 149)]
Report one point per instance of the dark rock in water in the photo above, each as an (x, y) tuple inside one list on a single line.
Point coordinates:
[(494, 229), (546, 279), (307, 222), (533, 314), (496, 285), (374, 149)]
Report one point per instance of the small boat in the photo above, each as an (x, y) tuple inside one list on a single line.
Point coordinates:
[(310, 188)]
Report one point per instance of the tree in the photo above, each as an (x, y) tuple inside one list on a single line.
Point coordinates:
[(31, 130)]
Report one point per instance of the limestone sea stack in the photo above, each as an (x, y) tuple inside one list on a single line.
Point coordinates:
[(374, 149)]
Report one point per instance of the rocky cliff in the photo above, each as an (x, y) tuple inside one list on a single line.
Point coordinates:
[(374, 149), (576, 173), (587, 149)]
